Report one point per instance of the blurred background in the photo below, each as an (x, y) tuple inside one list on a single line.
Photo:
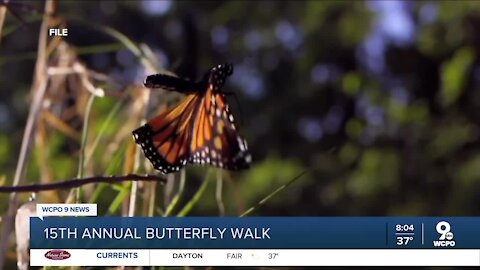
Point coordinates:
[(378, 101)]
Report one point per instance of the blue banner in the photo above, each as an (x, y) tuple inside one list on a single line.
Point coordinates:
[(255, 232)]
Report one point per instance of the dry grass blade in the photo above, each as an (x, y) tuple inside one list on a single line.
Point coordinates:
[(151, 200), (22, 232), (175, 201), (129, 166), (38, 90), (60, 125), (196, 198), (77, 193), (264, 200), (219, 195), (3, 13), (27, 138), (101, 132)]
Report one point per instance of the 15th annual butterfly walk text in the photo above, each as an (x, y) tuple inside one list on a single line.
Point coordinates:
[(181, 233)]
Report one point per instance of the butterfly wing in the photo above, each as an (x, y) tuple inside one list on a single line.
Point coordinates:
[(170, 83), (165, 139), (215, 139), (200, 130)]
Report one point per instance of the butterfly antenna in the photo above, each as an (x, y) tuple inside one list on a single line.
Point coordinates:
[(238, 104)]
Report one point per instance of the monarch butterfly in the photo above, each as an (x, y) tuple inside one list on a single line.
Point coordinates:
[(199, 130)]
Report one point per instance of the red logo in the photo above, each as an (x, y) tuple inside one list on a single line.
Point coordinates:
[(57, 254)]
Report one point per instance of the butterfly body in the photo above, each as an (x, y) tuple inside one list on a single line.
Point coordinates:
[(199, 130), (170, 83)]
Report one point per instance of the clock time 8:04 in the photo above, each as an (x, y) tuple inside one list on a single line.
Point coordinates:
[(404, 228)]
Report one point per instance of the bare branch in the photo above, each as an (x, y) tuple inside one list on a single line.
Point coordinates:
[(72, 183)]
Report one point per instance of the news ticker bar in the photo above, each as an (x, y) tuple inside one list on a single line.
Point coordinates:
[(255, 232), (259, 257)]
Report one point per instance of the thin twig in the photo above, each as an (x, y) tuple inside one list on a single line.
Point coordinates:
[(73, 183)]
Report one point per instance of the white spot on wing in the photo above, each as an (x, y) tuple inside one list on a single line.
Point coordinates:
[(241, 144)]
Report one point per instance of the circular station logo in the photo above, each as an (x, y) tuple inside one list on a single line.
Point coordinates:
[(57, 254)]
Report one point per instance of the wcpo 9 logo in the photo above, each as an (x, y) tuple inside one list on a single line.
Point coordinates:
[(446, 235)]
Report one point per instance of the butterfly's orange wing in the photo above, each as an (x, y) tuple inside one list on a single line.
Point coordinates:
[(165, 139), (200, 130), (215, 139)]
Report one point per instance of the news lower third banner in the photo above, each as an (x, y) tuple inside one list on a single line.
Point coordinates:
[(254, 232), (135, 240)]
